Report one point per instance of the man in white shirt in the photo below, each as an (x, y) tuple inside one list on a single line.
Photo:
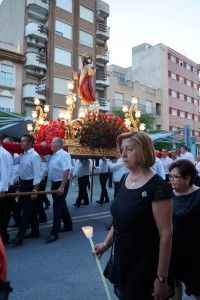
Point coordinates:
[(158, 167), (58, 173), (6, 165), (103, 178), (166, 162), (185, 154), (30, 177), (82, 171), (118, 169)]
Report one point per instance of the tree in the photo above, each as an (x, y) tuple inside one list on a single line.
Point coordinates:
[(147, 119)]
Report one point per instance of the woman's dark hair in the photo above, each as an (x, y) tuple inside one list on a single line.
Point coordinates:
[(185, 168)]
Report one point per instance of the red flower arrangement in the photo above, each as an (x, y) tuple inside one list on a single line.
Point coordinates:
[(100, 130), (47, 132)]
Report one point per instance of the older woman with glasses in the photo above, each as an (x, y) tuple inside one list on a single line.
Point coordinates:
[(186, 222)]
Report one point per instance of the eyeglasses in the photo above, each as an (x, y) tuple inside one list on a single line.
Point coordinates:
[(171, 177)]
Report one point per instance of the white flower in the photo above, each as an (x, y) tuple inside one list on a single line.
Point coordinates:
[(144, 194)]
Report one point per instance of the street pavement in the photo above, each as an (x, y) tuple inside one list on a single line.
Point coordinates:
[(66, 269)]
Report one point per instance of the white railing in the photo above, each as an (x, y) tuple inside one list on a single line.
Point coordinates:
[(30, 91), (103, 6), (43, 4), (10, 47), (34, 29)]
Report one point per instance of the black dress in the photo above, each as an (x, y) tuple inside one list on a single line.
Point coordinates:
[(186, 241), (136, 238)]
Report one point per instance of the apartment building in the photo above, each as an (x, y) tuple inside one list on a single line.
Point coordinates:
[(162, 67), (53, 35), (122, 89), (11, 72)]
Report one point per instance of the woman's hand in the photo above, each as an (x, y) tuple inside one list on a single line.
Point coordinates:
[(100, 249), (161, 290)]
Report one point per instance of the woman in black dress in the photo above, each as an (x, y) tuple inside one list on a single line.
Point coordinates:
[(142, 225), (186, 219)]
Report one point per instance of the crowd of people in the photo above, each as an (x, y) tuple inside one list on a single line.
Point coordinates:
[(155, 212)]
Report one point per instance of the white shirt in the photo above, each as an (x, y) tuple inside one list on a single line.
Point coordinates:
[(58, 163), (29, 166), (187, 155), (103, 166), (166, 162), (6, 165), (82, 168), (15, 175), (158, 168), (44, 170), (198, 168), (118, 169)]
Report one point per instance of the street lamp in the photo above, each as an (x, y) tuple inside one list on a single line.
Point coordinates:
[(131, 122), (39, 115)]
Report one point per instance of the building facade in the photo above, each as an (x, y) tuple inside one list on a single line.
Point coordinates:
[(162, 67), (122, 89), (53, 35), (11, 74)]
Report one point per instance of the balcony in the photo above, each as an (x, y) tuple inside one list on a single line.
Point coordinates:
[(104, 104), (103, 10), (102, 80), (35, 61), (102, 32), (37, 31), (102, 56), (38, 9), (7, 82), (31, 90)]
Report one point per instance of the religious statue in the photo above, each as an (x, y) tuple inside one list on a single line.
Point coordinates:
[(84, 77)]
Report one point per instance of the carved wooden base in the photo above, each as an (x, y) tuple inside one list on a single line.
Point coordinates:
[(83, 151)]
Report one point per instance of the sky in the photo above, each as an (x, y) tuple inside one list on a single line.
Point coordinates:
[(175, 23)]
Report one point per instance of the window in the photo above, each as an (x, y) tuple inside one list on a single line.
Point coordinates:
[(148, 107), (196, 118), (181, 97), (195, 86), (189, 99), (119, 97), (63, 29), (194, 70), (86, 38), (188, 67), (189, 115), (158, 109), (86, 14), (65, 4), (181, 79), (174, 94), (174, 112), (63, 57), (196, 102), (182, 114), (56, 111), (173, 58), (60, 86), (7, 74), (188, 82), (180, 62), (7, 101), (173, 75)]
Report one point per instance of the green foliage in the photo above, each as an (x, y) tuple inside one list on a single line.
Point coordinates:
[(166, 145), (147, 119)]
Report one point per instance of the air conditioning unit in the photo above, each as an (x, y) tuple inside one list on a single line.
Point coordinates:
[(30, 39)]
